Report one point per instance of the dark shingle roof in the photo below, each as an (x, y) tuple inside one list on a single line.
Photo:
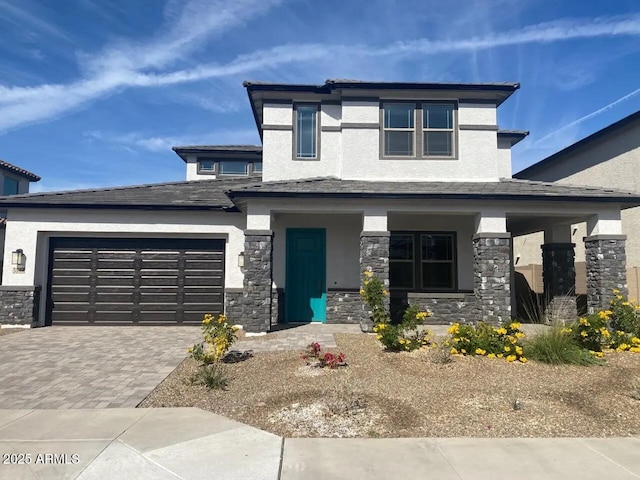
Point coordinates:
[(246, 149), (505, 189), (195, 194), (18, 171), (218, 194), (514, 135)]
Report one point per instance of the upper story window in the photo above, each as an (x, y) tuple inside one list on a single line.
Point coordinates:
[(433, 135), (206, 165), (233, 168), (399, 130), (437, 130), (238, 167), (306, 131), (10, 186)]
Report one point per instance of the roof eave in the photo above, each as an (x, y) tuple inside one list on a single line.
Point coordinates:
[(235, 195), (119, 206)]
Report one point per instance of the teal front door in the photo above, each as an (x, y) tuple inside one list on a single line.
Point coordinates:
[(305, 287)]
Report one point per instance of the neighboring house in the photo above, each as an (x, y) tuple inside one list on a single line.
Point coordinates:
[(408, 180), (13, 180), (609, 158)]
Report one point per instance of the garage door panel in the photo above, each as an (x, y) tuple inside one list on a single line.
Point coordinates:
[(116, 264), (125, 281), (199, 298), (64, 316), (81, 297)]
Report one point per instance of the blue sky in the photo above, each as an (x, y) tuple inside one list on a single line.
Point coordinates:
[(95, 92)]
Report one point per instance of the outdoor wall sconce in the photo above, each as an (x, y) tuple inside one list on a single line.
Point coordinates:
[(241, 259), (18, 260)]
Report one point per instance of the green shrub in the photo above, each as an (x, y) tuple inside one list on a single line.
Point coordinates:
[(485, 340), (405, 336), (214, 376), (558, 346)]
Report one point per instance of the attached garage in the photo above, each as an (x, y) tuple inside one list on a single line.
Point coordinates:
[(141, 281)]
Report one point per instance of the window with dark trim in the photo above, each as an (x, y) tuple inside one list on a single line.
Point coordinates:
[(423, 261), (10, 186), (237, 167), (419, 130), (206, 166), (305, 131)]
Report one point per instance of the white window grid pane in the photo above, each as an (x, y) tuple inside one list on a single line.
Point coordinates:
[(233, 168), (411, 129), (306, 124), (207, 165), (426, 129)]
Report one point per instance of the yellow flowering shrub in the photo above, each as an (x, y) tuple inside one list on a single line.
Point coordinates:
[(485, 340), (405, 336), (218, 335), (613, 328)]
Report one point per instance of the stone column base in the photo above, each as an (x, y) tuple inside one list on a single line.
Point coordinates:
[(374, 257), (606, 269), (492, 276), (19, 305)]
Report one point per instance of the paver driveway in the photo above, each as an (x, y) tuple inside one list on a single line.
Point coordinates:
[(88, 367)]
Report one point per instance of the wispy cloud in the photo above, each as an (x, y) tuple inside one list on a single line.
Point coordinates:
[(124, 64), (21, 17), (572, 125), (162, 144)]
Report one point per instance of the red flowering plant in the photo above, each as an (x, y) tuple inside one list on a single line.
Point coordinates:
[(314, 355)]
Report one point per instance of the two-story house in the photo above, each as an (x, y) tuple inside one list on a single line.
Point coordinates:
[(410, 181)]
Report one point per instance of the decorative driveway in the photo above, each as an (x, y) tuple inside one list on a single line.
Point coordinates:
[(88, 367)]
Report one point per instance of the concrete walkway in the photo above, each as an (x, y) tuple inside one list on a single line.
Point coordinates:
[(88, 367), (296, 337), (187, 443)]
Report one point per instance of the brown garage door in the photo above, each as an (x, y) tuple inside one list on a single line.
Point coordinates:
[(110, 281)]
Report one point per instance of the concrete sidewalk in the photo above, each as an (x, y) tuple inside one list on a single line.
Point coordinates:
[(188, 443)]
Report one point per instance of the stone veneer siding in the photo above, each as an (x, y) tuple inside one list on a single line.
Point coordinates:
[(492, 276), (606, 269), (374, 257), (19, 305), (559, 278), (252, 308), (344, 306), (446, 307)]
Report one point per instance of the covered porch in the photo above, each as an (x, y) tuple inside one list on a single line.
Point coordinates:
[(304, 256)]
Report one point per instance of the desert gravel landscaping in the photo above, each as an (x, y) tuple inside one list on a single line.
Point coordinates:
[(382, 394)]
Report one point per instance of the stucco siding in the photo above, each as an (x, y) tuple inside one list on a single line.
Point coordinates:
[(353, 151), (343, 246), (277, 114), (30, 230), (473, 114)]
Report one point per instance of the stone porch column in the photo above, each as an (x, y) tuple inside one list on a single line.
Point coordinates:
[(559, 274), (258, 277), (559, 280), (606, 269), (492, 276), (374, 257)]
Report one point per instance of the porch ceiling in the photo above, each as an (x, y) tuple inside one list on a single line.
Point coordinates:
[(519, 225)]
